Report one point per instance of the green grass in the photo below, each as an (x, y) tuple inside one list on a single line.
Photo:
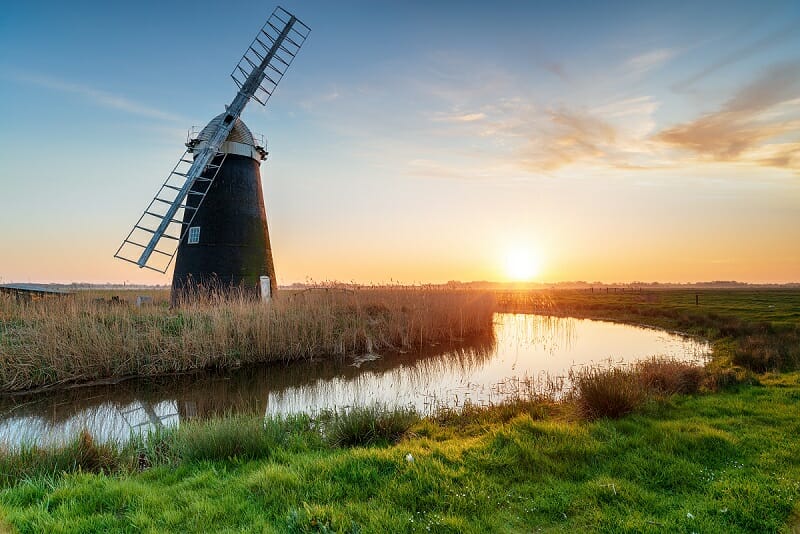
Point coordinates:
[(667, 308), (756, 329), (366, 425), (724, 462), (731, 460)]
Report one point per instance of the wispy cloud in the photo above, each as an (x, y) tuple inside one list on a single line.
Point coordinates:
[(742, 53), (452, 78), (759, 125), (96, 96), (459, 117), (471, 170), (648, 61), (313, 101), (767, 109), (568, 136), (557, 69), (460, 127)]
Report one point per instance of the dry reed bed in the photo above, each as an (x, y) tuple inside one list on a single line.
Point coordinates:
[(57, 341)]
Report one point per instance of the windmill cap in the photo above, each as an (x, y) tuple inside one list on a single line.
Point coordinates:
[(239, 134), (240, 141)]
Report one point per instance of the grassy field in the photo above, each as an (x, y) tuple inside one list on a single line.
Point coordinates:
[(725, 458), (55, 341), (726, 462), (757, 330), (665, 307)]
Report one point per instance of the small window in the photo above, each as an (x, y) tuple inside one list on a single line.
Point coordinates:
[(194, 235)]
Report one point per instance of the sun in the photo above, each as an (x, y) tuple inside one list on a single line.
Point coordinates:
[(522, 265)]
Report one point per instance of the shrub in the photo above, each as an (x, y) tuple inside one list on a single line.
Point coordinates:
[(726, 377), (769, 352), (227, 437), (667, 376), (607, 391), (80, 454), (367, 425)]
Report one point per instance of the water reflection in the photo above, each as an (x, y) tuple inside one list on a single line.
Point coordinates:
[(524, 347)]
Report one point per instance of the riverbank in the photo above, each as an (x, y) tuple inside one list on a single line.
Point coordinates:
[(724, 462), (750, 330), (723, 459), (85, 338)]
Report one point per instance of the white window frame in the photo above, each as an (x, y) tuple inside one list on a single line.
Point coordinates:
[(194, 235)]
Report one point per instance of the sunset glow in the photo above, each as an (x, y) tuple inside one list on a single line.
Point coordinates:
[(656, 144), (522, 265)]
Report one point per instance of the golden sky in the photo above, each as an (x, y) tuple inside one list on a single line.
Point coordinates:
[(572, 142)]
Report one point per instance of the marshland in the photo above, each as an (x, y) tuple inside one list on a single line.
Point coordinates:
[(561, 240), (670, 424), (84, 338)]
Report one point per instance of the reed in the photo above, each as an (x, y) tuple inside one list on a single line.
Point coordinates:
[(607, 392), (66, 340), (592, 393), (366, 425), (666, 377), (613, 391)]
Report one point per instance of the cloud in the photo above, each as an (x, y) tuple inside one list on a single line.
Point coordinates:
[(516, 134), (459, 127), (316, 99), (568, 136), (741, 53), (452, 78), (649, 60), (723, 136), (777, 84), (639, 105), (459, 117), (470, 169), (786, 155), (556, 69), (101, 98), (741, 129), (758, 125)]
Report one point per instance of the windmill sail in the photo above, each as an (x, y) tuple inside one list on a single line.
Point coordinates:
[(274, 48), (154, 239)]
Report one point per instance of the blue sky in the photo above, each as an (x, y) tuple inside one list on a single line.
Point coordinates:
[(417, 142)]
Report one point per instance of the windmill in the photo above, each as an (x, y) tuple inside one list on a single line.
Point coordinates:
[(209, 212)]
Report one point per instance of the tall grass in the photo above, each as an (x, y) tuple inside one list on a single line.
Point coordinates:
[(762, 352), (366, 425), (238, 437), (230, 437), (80, 454), (596, 392), (614, 391), (56, 341), (611, 392)]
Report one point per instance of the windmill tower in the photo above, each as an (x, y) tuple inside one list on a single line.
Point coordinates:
[(210, 209)]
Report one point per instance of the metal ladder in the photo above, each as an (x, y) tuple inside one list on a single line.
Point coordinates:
[(158, 209)]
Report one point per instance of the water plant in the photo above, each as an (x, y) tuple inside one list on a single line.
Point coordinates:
[(79, 339), (366, 425)]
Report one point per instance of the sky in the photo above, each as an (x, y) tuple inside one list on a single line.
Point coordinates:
[(420, 141)]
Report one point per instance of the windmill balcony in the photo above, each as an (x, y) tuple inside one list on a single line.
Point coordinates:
[(194, 137)]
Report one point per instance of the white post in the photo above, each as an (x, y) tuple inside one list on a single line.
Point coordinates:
[(266, 289)]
